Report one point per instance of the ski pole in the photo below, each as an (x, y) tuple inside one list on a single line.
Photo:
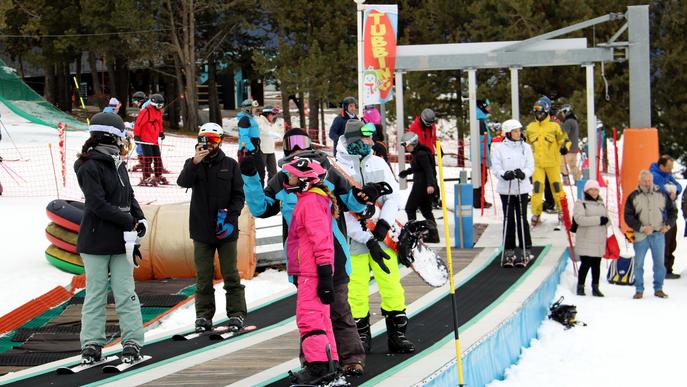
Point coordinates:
[(452, 288), (521, 223), (11, 139), (505, 222), (8, 172), (493, 195), (11, 172)]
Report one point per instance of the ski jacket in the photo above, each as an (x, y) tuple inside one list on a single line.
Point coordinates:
[(546, 138), (572, 129), (268, 134), (590, 237), (363, 170), (311, 241), (249, 132), (651, 207), (484, 133), (423, 168), (508, 156), (662, 178), (338, 127), (111, 207), (216, 184), (273, 199), (148, 125), (427, 136)]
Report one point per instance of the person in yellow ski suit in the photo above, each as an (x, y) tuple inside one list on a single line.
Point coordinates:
[(548, 143)]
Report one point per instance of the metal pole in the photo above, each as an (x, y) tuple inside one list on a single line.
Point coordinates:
[(382, 111), (640, 82), (359, 23), (400, 127), (475, 161), (591, 122), (514, 93)]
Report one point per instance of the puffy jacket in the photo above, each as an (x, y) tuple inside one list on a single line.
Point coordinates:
[(662, 178), (111, 207), (590, 237), (249, 132), (310, 242), (148, 124), (651, 207), (423, 168), (427, 136), (368, 169), (508, 156), (338, 127), (268, 133), (273, 199), (216, 184), (546, 138)]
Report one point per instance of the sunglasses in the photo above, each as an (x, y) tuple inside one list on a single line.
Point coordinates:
[(299, 140), (210, 139)]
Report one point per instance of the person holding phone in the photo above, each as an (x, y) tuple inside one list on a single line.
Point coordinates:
[(216, 204)]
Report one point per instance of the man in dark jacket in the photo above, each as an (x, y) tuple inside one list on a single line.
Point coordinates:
[(216, 204), (662, 172), (349, 107)]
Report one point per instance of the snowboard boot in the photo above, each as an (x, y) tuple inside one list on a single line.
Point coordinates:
[(161, 180), (432, 235), (203, 325), (508, 259), (353, 369), (522, 260), (148, 182), (535, 220), (580, 290), (396, 325), (235, 323), (130, 352), (596, 292), (363, 325), (313, 373), (91, 353)]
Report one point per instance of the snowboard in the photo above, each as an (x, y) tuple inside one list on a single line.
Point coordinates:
[(217, 333), (82, 367), (122, 366)]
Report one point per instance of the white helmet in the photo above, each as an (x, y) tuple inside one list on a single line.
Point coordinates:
[(509, 125), (211, 127)]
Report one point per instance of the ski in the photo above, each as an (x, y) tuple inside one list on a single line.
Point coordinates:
[(81, 367), (217, 336), (115, 369), (217, 333)]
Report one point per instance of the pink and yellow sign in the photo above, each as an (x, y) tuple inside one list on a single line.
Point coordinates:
[(379, 58)]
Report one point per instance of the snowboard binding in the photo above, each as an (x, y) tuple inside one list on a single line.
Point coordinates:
[(412, 233)]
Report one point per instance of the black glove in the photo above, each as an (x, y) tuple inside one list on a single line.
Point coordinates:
[(519, 174), (508, 176), (381, 229), (137, 255), (137, 138), (378, 255), (247, 166), (604, 220), (161, 135), (141, 228), (325, 284), (370, 190), (564, 150), (405, 173)]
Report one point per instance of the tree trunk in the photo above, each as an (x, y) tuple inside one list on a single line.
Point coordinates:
[(98, 97), (21, 67), (122, 83), (112, 88), (180, 88), (285, 106), (62, 90), (213, 96), (313, 118), (173, 104), (49, 87), (301, 109)]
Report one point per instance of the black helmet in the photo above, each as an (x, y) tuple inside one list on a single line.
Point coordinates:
[(428, 117), (157, 100), (107, 125), (139, 95), (347, 101)]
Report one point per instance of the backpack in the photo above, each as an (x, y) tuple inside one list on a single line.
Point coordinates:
[(621, 271), (564, 314)]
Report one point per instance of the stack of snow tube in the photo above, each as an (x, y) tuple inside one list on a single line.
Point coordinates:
[(65, 216)]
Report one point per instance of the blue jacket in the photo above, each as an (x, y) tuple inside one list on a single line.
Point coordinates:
[(249, 132), (662, 178), (274, 199), (483, 118)]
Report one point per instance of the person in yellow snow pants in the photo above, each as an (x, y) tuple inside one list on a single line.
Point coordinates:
[(538, 180)]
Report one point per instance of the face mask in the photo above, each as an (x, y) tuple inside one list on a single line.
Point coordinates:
[(359, 148), (540, 116)]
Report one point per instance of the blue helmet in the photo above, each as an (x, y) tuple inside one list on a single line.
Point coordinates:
[(543, 104)]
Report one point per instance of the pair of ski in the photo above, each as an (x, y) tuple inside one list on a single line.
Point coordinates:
[(107, 369), (218, 333)]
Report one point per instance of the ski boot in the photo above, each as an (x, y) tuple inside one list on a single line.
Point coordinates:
[(508, 258), (313, 373), (353, 369), (535, 220), (203, 325), (235, 323), (148, 182), (130, 352), (161, 180), (363, 325), (91, 353), (396, 325), (522, 260)]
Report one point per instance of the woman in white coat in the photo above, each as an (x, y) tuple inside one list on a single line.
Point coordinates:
[(513, 164), (591, 217)]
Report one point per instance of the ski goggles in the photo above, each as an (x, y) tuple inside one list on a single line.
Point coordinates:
[(158, 106), (538, 109), (210, 138), (368, 129), (299, 140)]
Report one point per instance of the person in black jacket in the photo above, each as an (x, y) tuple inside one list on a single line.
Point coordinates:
[(216, 204), (425, 187), (349, 107), (110, 210)]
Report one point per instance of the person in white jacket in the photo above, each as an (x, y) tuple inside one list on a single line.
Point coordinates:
[(513, 165), (368, 251), (268, 134)]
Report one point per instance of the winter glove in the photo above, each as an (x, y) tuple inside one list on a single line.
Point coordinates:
[(508, 176), (405, 173), (603, 220), (161, 135), (247, 166), (137, 138), (378, 255), (222, 229), (325, 284), (519, 174), (137, 255), (370, 190), (564, 150), (141, 228), (381, 229)]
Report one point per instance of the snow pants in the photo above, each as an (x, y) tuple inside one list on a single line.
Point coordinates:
[(420, 199), (390, 289), (151, 155), (516, 216), (348, 342), (314, 323), (93, 312), (538, 180)]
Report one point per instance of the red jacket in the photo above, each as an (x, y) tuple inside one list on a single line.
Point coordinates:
[(427, 136), (148, 125)]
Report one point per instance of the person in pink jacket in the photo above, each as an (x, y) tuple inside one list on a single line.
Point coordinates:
[(310, 254)]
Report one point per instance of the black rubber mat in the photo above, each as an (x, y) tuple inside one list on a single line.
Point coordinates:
[(167, 300), (434, 323), (264, 317), (22, 334)]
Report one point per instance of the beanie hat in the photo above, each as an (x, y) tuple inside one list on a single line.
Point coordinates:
[(353, 130), (114, 102), (109, 123), (591, 184)]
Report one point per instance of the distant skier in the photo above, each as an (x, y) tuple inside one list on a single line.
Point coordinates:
[(147, 130), (268, 131), (113, 106), (483, 112), (111, 209), (570, 126), (249, 135), (349, 107)]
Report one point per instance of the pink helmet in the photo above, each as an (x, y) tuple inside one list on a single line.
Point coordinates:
[(371, 115), (308, 171)]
